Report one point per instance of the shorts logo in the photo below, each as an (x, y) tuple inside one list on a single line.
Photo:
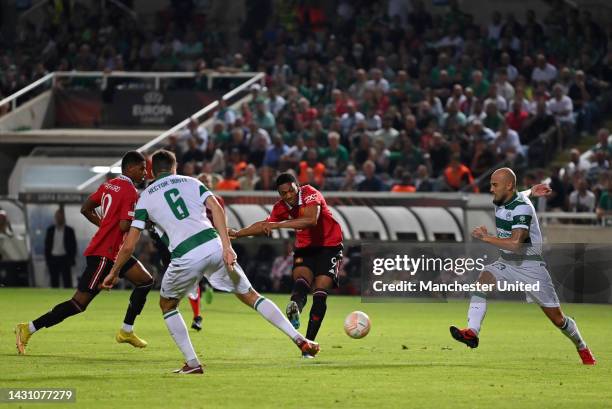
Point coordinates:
[(299, 260)]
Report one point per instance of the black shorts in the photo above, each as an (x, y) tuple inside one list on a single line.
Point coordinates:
[(320, 260), (97, 269)]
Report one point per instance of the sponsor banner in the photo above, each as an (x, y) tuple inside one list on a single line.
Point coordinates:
[(127, 108)]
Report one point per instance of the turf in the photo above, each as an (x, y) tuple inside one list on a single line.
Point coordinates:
[(408, 359)]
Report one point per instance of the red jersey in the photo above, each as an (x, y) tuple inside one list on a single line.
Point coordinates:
[(327, 232), (117, 197)]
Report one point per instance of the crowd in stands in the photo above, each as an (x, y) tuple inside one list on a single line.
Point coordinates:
[(370, 95)]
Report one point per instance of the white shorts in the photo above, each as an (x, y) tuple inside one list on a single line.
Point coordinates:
[(184, 273), (529, 272)]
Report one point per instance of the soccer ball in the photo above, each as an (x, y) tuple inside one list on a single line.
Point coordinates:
[(357, 324)]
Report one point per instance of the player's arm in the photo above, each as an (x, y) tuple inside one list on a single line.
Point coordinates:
[(308, 219), (514, 243), (539, 190), (218, 216), (125, 252), (88, 209), (256, 229)]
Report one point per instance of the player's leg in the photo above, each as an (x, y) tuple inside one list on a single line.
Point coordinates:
[(97, 268), (143, 282), (476, 313), (327, 264), (177, 281), (195, 296), (302, 281), (322, 284), (547, 299), (569, 328), (270, 311), (77, 304)]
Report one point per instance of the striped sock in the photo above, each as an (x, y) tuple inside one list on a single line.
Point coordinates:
[(178, 330), (477, 311), (570, 330), (270, 312)]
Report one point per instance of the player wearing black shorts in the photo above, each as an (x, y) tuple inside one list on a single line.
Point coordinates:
[(116, 198), (318, 247)]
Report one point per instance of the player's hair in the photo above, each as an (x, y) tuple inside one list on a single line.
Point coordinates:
[(285, 178), (162, 161), (131, 158)]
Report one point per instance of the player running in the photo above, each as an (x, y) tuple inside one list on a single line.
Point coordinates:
[(318, 252), (116, 198), (519, 239), (175, 204)]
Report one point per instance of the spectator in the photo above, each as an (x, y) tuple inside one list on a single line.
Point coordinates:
[(311, 169), (349, 120), (349, 183), (388, 134), (60, 251), (507, 140), (457, 176), (335, 157), (249, 179), (371, 182), (193, 153), (229, 181), (405, 185), (517, 117), (275, 152), (543, 72), (582, 199), (493, 119), (604, 206), (263, 117), (423, 182), (561, 107)]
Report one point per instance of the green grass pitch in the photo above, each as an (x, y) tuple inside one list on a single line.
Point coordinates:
[(407, 360)]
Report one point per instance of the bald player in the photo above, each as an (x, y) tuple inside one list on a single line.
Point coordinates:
[(519, 240)]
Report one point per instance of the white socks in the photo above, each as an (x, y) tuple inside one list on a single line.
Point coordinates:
[(270, 312), (127, 327), (31, 327), (477, 311), (570, 330), (178, 330)]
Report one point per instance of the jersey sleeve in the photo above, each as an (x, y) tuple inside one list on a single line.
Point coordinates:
[(203, 191), (140, 215), (96, 196), (277, 214), (521, 217), (126, 212), (311, 197)]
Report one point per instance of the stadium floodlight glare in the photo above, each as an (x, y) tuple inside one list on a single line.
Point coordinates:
[(106, 169)]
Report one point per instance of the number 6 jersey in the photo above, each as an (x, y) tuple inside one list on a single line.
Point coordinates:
[(116, 198), (175, 204)]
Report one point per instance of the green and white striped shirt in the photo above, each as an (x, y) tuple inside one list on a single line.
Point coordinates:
[(519, 213), (176, 205)]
